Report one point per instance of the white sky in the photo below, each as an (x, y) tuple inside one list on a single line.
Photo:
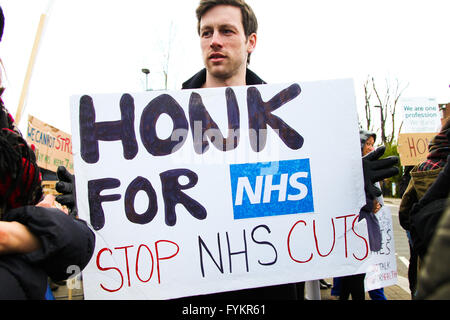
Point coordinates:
[(100, 46)]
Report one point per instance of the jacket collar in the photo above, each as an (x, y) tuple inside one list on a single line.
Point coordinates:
[(199, 79)]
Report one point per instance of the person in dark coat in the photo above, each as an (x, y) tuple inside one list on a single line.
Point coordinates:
[(354, 284), (422, 177), (36, 242)]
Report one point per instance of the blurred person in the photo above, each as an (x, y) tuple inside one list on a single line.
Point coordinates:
[(354, 284), (432, 237), (423, 176), (434, 278), (412, 266), (36, 241)]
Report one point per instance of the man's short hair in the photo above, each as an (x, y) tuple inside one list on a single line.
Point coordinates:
[(249, 21)]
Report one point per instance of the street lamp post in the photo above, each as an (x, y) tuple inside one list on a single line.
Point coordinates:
[(146, 72)]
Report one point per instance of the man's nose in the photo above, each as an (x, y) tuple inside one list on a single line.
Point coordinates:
[(216, 41)]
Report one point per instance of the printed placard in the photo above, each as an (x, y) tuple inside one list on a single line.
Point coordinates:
[(420, 115)]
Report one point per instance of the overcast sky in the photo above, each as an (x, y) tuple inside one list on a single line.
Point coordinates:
[(100, 46)]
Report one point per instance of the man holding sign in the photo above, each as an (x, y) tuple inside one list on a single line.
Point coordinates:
[(227, 32)]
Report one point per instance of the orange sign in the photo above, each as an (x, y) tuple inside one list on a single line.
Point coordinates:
[(53, 146), (413, 147)]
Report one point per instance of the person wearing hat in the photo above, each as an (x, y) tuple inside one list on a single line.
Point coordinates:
[(367, 146), (354, 284), (36, 241)]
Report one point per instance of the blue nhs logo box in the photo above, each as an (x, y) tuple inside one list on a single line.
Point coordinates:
[(271, 188)]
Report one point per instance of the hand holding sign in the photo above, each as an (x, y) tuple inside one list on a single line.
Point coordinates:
[(66, 186), (376, 169)]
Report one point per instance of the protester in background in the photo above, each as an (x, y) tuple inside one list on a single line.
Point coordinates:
[(228, 37), (354, 284), (434, 278), (422, 177), (412, 266), (373, 205), (336, 288), (35, 241), (367, 145), (431, 236)]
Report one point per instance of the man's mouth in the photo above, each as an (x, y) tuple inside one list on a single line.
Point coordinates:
[(216, 57)]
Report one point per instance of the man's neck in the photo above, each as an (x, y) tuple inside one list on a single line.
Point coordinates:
[(214, 82)]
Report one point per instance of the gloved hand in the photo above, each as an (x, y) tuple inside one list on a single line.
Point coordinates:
[(376, 169), (66, 186)]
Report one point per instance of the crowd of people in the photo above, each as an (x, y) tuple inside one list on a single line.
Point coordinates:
[(39, 241)]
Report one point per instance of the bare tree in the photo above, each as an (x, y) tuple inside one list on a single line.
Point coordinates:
[(159, 61), (166, 54), (387, 105), (367, 109)]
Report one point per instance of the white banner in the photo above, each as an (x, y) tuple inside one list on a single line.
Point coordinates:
[(420, 115), (382, 270), (175, 215)]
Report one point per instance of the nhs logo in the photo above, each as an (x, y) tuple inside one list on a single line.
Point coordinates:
[(271, 188)]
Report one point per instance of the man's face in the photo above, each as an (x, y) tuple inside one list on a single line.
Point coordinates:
[(223, 42)]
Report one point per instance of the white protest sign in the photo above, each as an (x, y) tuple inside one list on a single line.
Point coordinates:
[(382, 269), (175, 215), (420, 115)]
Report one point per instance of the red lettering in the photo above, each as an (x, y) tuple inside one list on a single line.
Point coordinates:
[(317, 244), (58, 142), (158, 258), (424, 146), (345, 230), (137, 263), (64, 145), (412, 147), (106, 269), (289, 243), (68, 148), (126, 260), (359, 236)]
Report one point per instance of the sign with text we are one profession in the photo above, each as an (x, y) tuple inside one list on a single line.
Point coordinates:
[(200, 191)]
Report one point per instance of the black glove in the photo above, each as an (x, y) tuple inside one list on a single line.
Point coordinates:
[(376, 169), (66, 186)]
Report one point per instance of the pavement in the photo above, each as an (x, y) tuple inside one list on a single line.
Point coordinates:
[(396, 292)]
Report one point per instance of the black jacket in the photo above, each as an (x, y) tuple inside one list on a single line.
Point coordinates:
[(65, 242), (278, 292), (197, 81)]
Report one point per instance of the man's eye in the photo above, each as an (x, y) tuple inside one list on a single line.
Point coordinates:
[(206, 34)]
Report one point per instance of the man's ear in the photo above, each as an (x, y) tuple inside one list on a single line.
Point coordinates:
[(251, 43)]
